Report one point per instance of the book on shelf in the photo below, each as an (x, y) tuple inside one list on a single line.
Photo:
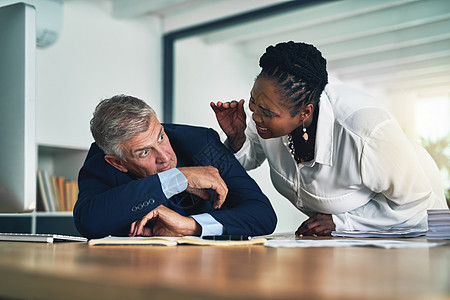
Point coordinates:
[(71, 194), (55, 193), (47, 194), (61, 196), (43, 202)]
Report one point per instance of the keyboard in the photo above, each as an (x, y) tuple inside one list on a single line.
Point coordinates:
[(38, 237)]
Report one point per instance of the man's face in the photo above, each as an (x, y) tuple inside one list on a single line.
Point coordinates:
[(147, 153)]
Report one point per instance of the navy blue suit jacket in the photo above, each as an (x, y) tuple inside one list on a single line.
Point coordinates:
[(110, 200)]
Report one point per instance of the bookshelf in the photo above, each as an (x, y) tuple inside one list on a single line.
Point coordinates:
[(61, 160), (56, 160), (60, 166)]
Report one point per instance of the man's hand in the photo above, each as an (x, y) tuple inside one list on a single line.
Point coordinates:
[(167, 223), (202, 178), (231, 118), (319, 224)]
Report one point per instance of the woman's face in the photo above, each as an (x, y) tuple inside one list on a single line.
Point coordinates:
[(271, 117)]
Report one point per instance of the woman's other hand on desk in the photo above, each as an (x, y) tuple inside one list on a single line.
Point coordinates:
[(319, 224), (231, 118)]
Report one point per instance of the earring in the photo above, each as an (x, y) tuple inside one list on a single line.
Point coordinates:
[(305, 134)]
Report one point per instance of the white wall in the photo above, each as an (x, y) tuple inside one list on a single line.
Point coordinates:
[(95, 57), (205, 73)]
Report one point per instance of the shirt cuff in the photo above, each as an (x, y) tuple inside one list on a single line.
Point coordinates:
[(210, 226), (172, 182), (340, 223)]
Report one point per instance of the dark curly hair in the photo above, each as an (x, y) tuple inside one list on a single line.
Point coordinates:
[(299, 70)]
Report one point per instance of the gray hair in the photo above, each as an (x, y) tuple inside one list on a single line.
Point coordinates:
[(118, 119)]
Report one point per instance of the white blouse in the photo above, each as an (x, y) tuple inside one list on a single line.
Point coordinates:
[(365, 171)]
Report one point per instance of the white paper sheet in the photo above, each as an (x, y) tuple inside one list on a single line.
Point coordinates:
[(387, 244), (393, 233)]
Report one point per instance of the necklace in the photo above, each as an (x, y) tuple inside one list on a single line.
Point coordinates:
[(291, 146)]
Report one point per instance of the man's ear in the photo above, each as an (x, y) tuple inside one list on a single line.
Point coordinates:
[(116, 162)]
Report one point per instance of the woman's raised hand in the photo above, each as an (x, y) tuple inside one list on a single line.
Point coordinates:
[(231, 118)]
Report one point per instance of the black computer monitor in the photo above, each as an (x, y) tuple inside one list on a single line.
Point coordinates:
[(17, 108)]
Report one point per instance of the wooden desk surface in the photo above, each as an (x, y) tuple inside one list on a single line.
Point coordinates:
[(77, 271)]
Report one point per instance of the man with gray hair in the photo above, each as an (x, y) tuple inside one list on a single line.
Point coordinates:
[(142, 177)]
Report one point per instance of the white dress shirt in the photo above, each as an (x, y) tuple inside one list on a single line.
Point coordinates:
[(365, 171)]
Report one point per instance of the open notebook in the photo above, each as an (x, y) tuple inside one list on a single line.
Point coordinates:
[(171, 241), (37, 237)]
